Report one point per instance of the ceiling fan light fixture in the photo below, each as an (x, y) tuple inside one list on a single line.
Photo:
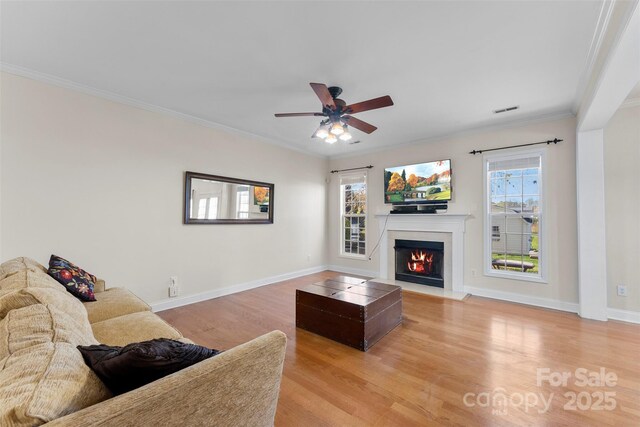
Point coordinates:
[(345, 136), (337, 129), (322, 132), (338, 115)]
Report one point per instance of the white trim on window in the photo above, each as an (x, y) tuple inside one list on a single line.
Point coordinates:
[(345, 179), (488, 234), (242, 202)]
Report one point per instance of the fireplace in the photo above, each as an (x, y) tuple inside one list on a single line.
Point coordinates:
[(420, 262)]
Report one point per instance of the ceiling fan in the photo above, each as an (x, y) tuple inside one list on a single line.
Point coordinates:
[(338, 113)]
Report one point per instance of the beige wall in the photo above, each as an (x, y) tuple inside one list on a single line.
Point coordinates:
[(622, 183), (101, 183), (1, 144), (468, 198)]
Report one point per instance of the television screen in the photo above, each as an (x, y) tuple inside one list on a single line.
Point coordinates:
[(419, 183)]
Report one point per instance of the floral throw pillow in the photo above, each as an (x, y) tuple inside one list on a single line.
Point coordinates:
[(73, 278)]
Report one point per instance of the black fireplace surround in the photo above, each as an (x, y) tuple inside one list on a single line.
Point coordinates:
[(420, 262)]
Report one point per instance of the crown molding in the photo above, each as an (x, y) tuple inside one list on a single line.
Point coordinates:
[(472, 130), (114, 97), (68, 84), (604, 18), (631, 102), (620, 16)]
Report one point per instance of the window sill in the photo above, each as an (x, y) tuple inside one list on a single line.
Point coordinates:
[(351, 256), (523, 277)]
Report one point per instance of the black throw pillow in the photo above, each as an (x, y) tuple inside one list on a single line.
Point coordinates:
[(123, 369)]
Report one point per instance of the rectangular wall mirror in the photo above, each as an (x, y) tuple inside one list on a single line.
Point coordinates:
[(212, 199)]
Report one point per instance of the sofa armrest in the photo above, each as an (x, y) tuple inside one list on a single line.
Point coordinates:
[(236, 388), (100, 286)]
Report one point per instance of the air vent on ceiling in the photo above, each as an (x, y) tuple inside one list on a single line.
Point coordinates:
[(355, 142), (504, 110)]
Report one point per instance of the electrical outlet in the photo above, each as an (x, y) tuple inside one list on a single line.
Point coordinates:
[(309, 257), (622, 290), (473, 273), (173, 286)]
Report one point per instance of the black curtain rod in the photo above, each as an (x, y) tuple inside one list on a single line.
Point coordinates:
[(551, 141), (352, 169)]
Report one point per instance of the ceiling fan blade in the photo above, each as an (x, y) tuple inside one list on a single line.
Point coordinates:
[(323, 93), (372, 104), (359, 124), (298, 114)]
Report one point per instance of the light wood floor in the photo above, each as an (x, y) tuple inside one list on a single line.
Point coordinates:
[(420, 372)]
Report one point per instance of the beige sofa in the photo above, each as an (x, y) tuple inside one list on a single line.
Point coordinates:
[(43, 378)]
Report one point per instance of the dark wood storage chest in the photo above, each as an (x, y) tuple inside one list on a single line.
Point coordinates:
[(350, 310)]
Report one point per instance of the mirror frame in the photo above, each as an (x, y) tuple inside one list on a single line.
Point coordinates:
[(189, 176)]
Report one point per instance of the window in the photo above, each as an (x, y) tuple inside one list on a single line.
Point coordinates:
[(242, 203), (353, 190), (212, 212), (202, 208), (514, 238), (208, 208)]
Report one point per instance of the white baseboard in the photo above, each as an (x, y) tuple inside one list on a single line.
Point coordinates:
[(356, 271), (624, 315), (613, 313), (215, 293), (523, 299)]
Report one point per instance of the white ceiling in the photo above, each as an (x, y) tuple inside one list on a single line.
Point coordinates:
[(446, 65)]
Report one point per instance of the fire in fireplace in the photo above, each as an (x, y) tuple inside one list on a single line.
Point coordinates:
[(420, 262)]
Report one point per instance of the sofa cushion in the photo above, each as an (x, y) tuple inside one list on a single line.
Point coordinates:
[(112, 303), (134, 327), (19, 264), (100, 286), (17, 298), (123, 369), (45, 382), (75, 280), (42, 374), (29, 279), (39, 324)]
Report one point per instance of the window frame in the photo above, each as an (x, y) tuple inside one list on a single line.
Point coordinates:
[(240, 214), (541, 276), (341, 228), (209, 206)]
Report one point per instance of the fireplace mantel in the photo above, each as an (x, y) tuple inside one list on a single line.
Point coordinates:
[(435, 223)]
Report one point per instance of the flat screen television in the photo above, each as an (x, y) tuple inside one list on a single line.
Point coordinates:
[(422, 183)]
